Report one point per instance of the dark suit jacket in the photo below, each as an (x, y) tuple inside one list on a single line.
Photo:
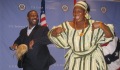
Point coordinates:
[(39, 57)]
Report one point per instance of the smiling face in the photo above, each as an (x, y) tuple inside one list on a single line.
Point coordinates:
[(32, 18), (79, 14)]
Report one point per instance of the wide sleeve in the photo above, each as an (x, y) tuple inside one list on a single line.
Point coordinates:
[(101, 36), (61, 40), (110, 48)]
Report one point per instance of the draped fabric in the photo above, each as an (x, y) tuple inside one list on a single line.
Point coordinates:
[(84, 52), (112, 54), (13, 19)]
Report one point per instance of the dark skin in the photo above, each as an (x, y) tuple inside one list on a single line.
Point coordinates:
[(80, 22), (32, 18)]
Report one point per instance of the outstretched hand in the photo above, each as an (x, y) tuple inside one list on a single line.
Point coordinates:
[(31, 43), (96, 25), (14, 47), (57, 31)]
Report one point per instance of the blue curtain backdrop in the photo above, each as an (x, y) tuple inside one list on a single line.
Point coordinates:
[(12, 20)]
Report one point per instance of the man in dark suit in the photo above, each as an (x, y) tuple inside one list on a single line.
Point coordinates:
[(35, 37)]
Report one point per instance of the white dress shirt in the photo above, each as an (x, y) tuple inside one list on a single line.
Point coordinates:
[(29, 30)]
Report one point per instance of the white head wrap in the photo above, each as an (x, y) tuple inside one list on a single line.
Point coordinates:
[(84, 6)]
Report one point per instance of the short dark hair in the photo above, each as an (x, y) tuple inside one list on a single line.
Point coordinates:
[(30, 12)]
